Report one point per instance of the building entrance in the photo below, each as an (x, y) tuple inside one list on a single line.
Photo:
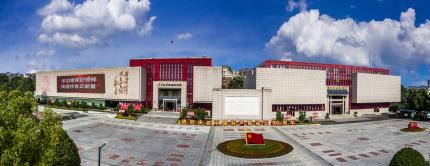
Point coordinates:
[(169, 99), (337, 110), (170, 104), (337, 100)]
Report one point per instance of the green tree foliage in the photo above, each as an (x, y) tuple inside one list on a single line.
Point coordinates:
[(403, 91), (417, 99), (279, 116), (408, 157), (395, 106), (25, 140), (18, 82), (236, 83)]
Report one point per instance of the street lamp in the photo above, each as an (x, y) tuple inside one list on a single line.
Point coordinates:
[(100, 150)]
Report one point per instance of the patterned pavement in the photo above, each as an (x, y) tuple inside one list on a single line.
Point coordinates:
[(152, 143), (369, 143)]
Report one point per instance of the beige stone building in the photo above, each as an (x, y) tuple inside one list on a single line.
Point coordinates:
[(172, 84)]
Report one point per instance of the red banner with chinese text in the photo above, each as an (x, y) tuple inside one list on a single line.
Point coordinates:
[(86, 83)]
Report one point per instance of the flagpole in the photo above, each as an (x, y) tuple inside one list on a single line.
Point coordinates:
[(246, 137)]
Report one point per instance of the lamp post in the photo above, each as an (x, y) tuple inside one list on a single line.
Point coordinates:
[(262, 103), (100, 151)]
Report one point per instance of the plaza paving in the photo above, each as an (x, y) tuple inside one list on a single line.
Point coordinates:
[(158, 143), (369, 143)]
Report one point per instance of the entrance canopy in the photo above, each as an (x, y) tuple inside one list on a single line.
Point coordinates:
[(338, 92)]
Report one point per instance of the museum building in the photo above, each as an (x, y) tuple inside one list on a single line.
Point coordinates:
[(171, 84)]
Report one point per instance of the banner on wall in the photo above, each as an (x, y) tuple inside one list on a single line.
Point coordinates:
[(85, 83)]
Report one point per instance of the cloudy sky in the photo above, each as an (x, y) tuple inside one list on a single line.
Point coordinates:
[(67, 34)]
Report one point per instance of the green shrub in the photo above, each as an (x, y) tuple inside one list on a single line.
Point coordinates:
[(116, 108), (200, 113), (302, 116), (93, 105), (57, 102), (408, 157), (183, 113), (83, 104), (145, 110), (279, 116), (119, 116), (130, 110)]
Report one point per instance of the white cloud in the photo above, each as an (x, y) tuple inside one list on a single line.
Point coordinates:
[(70, 40), (56, 6), (37, 60), (293, 4), (386, 43), (88, 22), (147, 28), (184, 36)]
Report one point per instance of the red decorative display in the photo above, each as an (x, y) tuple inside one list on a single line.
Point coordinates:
[(413, 125), (254, 138), (123, 106), (88, 83)]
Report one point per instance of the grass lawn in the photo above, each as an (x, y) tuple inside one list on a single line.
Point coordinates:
[(413, 129), (238, 148)]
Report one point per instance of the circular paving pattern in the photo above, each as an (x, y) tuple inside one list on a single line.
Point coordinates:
[(413, 129), (237, 148)]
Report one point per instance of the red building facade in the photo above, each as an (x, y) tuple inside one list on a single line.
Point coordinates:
[(169, 69), (337, 75)]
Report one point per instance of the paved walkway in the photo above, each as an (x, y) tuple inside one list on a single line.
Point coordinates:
[(137, 143), (160, 117), (156, 143), (300, 156), (369, 143)]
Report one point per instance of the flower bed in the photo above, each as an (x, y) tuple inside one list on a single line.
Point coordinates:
[(270, 149)]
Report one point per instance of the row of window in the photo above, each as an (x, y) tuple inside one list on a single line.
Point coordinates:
[(298, 107), (333, 70), (170, 72), (369, 105)]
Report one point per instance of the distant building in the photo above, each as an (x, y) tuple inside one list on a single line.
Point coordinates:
[(227, 75), (227, 71), (242, 72), (226, 81)]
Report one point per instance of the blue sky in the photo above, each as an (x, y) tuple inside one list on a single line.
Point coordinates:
[(61, 34)]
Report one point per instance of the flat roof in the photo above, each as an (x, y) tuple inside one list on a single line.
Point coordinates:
[(83, 69), (316, 63), (196, 57)]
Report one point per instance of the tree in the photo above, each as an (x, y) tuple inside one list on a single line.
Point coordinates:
[(395, 106), (236, 83), (403, 91), (59, 147), (25, 140)]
